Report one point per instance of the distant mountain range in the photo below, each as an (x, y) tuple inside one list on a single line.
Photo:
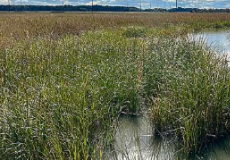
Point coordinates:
[(99, 8)]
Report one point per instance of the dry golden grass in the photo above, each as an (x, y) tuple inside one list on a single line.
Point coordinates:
[(27, 26)]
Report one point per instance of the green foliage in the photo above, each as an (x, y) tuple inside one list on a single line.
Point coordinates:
[(59, 98), (136, 32)]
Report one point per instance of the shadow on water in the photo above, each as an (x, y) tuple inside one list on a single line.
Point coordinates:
[(218, 151)]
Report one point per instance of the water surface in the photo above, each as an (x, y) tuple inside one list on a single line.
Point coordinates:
[(217, 40), (135, 140)]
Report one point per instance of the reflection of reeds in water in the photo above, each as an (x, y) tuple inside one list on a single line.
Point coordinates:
[(228, 35), (217, 151), (135, 140)]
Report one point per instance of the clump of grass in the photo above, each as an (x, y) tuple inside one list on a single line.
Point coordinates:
[(222, 24), (136, 32), (189, 88)]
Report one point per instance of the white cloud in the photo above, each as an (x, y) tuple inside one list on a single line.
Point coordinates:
[(64, 2), (3, 1)]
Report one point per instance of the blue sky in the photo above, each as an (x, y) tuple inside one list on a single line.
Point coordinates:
[(136, 3)]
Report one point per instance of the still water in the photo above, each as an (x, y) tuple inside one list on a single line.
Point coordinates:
[(136, 139), (217, 40)]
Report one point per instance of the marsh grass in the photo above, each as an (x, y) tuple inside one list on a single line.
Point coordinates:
[(60, 96), (16, 27)]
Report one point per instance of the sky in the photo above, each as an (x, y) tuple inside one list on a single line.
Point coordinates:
[(135, 3)]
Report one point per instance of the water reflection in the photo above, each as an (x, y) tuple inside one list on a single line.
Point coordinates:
[(218, 151), (135, 140)]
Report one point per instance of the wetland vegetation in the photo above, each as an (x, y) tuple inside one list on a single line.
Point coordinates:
[(65, 79)]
